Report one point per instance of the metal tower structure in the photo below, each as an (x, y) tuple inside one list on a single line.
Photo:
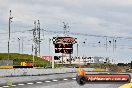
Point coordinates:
[(66, 29), (36, 38)]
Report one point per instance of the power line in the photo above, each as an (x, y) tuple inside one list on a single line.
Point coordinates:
[(72, 33)]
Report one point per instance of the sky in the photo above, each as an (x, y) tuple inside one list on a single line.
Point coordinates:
[(94, 17)]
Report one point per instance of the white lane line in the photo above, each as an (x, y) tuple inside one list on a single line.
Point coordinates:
[(20, 84), (55, 80), (5, 86), (38, 82), (65, 79), (30, 83), (73, 78), (13, 85), (1, 87), (47, 81)]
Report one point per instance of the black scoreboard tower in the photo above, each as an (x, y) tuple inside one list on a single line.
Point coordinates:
[(64, 45)]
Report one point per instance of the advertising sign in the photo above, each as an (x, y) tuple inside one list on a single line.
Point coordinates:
[(69, 40), (48, 58)]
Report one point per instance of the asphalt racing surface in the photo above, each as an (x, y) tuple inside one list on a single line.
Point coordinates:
[(56, 81), (64, 83)]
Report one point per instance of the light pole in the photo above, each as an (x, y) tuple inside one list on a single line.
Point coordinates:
[(9, 34), (49, 50), (113, 45), (33, 54), (19, 45), (77, 53), (106, 44), (22, 45), (84, 53), (77, 49), (51, 54)]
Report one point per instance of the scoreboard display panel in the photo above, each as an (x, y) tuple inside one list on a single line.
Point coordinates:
[(66, 51), (64, 44), (68, 40), (64, 48), (59, 45)]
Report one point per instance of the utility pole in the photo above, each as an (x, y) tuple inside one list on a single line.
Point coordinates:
[(10, 17)]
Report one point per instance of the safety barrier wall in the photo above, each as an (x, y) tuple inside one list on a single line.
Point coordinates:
[(33, 71)]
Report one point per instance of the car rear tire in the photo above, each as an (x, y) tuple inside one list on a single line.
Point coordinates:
[(81, 80)]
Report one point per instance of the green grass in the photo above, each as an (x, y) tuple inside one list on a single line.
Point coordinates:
[(18, 58)]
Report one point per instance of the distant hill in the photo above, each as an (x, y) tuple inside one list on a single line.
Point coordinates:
[(18, 58)]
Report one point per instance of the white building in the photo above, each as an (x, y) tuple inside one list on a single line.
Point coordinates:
[(81, 60)]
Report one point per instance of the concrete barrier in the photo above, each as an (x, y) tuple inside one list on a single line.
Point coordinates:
[(34, 71)]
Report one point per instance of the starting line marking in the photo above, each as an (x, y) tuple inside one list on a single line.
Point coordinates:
[(47, 81), (13, 85), (55, 80), (65, 79), (38, 82), (5, 86), (73, 78), (20, 84), (30, 83)]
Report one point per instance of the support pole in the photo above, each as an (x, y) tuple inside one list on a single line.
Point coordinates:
[(9, 35)]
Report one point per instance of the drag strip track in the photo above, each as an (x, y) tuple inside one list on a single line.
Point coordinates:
[(51, 81), (46, 82), (67, 82)]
